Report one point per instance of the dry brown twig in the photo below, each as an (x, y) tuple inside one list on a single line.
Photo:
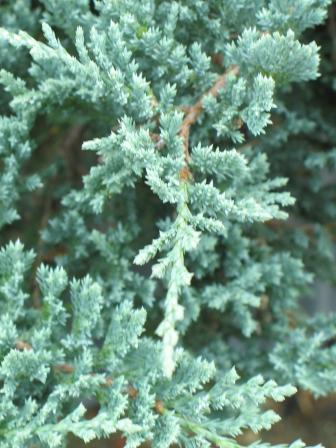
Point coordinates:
[(192, 114)]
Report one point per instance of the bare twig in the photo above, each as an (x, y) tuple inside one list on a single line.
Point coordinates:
[(190, 118), (70, 147), (193, 112)]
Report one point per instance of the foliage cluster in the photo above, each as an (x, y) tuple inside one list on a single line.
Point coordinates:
[(167, 197)]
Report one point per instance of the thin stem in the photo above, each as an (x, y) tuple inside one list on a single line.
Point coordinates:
[(193, 112)]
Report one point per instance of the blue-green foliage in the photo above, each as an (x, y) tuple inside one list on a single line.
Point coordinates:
[(158, 144), (65, 366)]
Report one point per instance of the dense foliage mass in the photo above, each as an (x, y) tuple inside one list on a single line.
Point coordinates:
[(167, 198)]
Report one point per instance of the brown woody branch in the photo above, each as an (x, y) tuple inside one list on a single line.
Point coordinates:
[(193, 112), (190, 118)]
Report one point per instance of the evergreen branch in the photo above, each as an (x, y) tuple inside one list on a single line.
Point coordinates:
[(193, 112), (69, 369), (198, 429), (90, 339)]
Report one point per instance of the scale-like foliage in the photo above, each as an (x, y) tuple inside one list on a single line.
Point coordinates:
[(151, 153)]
